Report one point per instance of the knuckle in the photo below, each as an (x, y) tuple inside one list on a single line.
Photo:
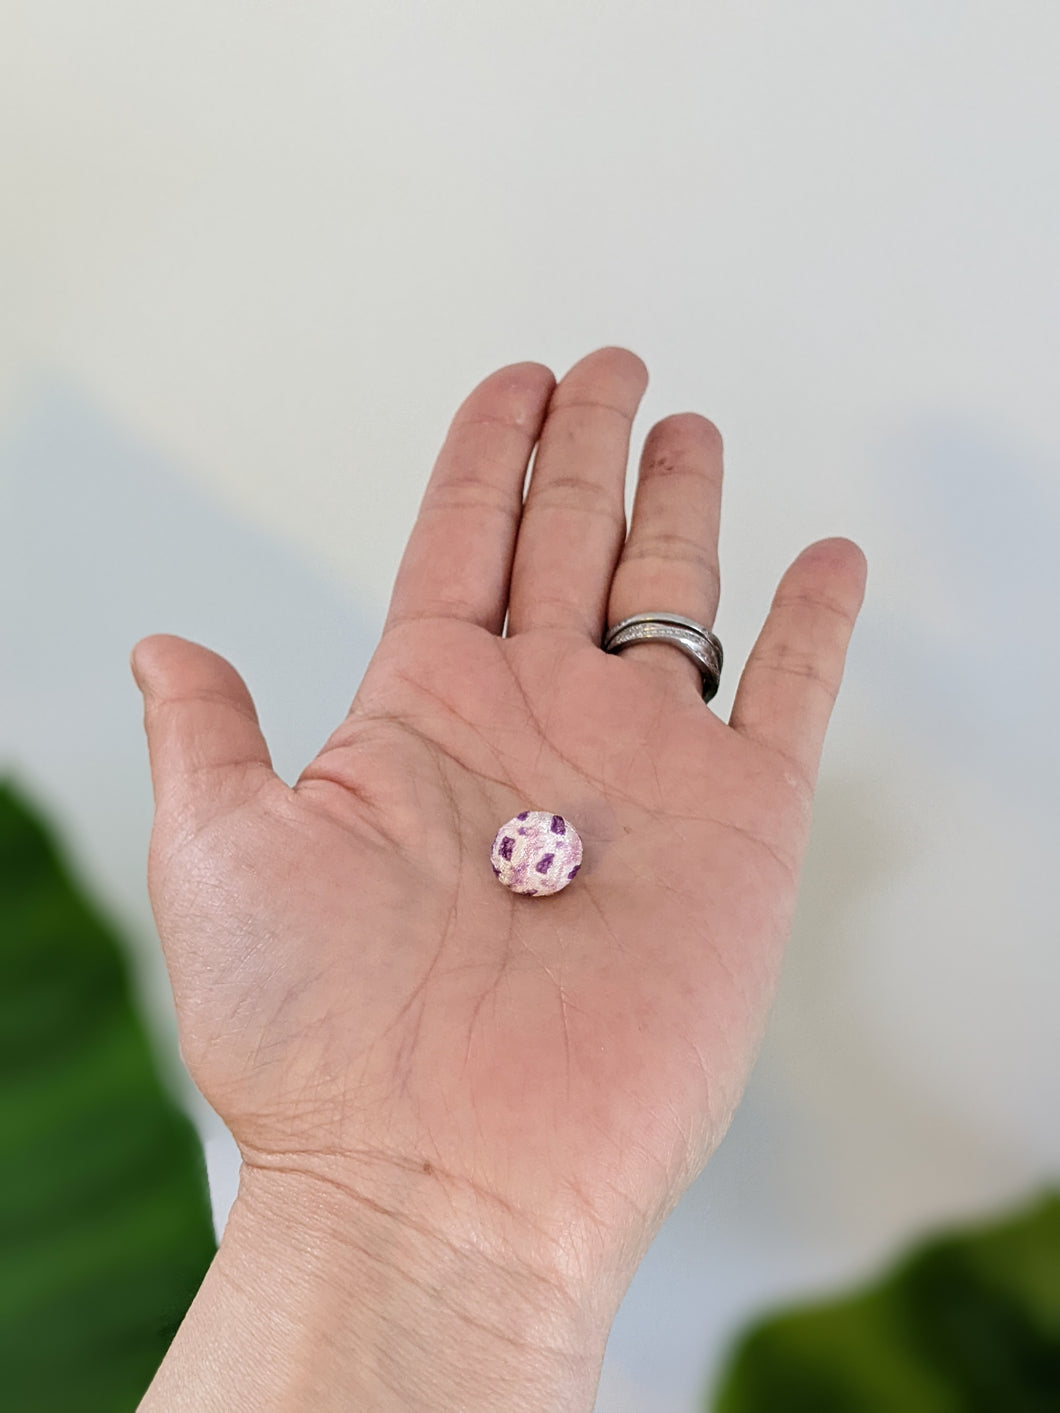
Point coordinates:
[(817, 603), (796, 662), (583, 406), (672, 547), (578, 493), (463, 493)]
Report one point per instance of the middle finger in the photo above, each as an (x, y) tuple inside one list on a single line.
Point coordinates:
[(573, 524)]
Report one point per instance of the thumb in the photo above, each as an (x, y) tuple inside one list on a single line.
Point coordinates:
[(205, 745)]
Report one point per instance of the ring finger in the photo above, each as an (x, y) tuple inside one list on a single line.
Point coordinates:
[(669, 562)]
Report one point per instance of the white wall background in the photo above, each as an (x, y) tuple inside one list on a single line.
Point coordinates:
[(252, 257)]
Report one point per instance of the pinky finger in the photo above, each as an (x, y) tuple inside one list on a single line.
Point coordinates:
[(788, 687)]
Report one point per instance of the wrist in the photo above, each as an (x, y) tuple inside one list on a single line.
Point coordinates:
[(323, 1298)]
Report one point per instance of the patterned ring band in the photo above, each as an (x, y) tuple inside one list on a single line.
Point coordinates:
[(695, 641)]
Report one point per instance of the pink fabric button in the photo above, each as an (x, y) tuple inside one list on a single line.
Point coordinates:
[(537, 852)]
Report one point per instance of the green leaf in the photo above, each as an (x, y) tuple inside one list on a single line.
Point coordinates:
[(967, 1323), (105, 1226)]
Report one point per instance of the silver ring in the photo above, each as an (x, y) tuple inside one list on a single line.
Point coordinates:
[(695, 641)]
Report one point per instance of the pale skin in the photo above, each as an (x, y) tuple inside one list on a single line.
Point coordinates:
[(464, 1114)]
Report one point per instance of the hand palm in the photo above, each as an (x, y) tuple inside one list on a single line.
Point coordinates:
[(355, 990)]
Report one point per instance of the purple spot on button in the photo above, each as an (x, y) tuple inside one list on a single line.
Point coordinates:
[(558, 824), (507, 845), (522, 831), (574, 870), (544, 863), (524, 814)]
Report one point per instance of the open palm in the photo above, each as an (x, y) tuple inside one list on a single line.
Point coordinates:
[(357, 995)]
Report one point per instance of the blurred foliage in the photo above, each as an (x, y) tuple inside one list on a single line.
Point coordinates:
[(105, 1226), (967, 1323)]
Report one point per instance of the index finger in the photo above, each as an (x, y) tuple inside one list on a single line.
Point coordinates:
[(457, 562)]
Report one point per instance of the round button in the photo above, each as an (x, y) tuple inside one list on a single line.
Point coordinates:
[(536, 852)]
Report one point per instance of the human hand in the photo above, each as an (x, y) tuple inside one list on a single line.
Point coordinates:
[(358, 997)]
